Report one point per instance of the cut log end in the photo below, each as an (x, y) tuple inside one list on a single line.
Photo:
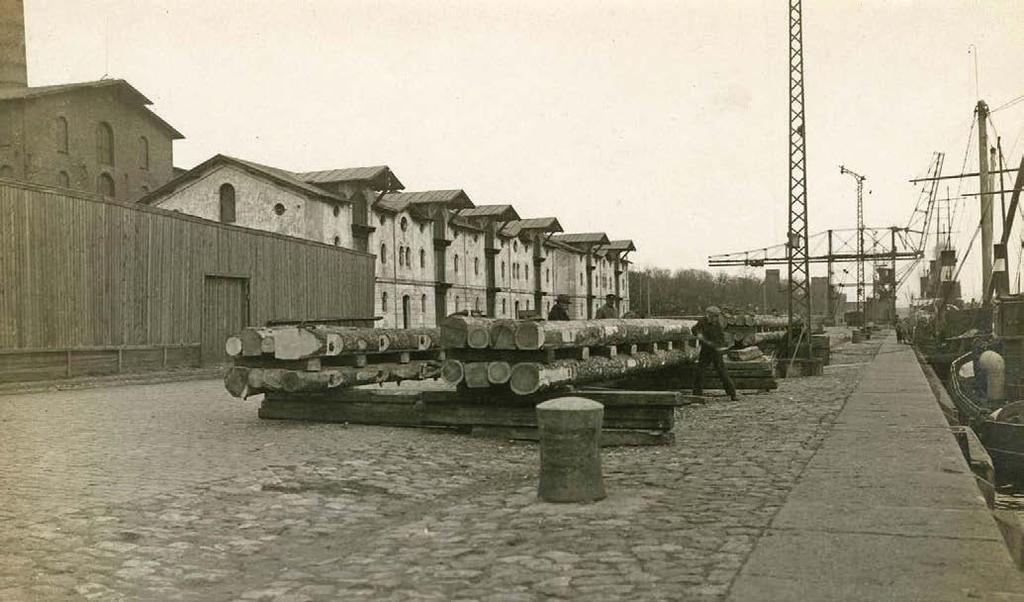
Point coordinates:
[(525, 378), (529, 335), (233, 346), (498, 373), (478, 338), (452, 372), (476, 375), (236, 381)]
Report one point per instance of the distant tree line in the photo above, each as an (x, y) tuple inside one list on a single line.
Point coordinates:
[(689, 291)]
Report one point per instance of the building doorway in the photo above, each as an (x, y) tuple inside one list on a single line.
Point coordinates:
[(225, 313), (406, 312)]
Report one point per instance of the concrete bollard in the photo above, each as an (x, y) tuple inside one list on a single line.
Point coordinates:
[(570, 451)]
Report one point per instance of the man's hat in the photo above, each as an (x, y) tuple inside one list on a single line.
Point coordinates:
[(611, 296), (562, 298), (712, 310)]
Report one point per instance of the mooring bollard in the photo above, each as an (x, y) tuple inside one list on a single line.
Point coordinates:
[(570, 451)]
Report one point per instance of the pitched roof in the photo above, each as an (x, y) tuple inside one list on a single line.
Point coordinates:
[(503, 212), (618, 246), (395, 202), (280, 176), (544, 224), (583, 238), (461, 222), (379, 176), (129, 94)]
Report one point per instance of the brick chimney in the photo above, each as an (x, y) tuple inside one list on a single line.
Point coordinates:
[(13, 73)]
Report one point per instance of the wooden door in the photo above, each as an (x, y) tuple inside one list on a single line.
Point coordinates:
[(225, 312)]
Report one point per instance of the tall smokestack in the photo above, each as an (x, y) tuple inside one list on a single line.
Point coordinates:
[(13, 73)]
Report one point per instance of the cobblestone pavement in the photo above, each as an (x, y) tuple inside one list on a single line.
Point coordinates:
[(178, 492)]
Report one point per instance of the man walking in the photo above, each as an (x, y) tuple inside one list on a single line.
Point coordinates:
[(711, 335), (608, 311), (560, 312)]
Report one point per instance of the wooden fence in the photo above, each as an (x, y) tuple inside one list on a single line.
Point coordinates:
[(131, 287)]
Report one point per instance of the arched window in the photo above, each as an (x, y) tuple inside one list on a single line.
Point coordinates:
[(62, 135), (404, 224), (547, 275), (457, 303), (105, 185), (104, 144), (581, 279), (401, 256), (382, 219), (63, 180), (383, 302), (408, 257), (337, 241), (456, 266), (476, 303), (423, 304), (526, 267), (383, 253), (143, 152), (476, 266), (423, 258), (503, 306), (515, 309), (503, 270), (227, 203)]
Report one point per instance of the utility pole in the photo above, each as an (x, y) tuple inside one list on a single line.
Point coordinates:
[(796, 236), (830, 309), (986, 196), (892, 266), (860, 237)]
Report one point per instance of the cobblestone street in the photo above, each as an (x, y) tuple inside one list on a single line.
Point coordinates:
[(178, 492)]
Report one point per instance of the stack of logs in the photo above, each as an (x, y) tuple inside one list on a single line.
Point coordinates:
[(528, 357), (750, 330), (316, 358)]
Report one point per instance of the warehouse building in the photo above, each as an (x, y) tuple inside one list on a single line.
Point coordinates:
[(97, 136)]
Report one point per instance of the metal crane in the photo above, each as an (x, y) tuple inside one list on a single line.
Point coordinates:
[(796, 235), (860, 235)]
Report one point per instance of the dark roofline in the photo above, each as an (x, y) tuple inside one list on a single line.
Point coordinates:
[(253, 168), (384, 177), (138, 97)]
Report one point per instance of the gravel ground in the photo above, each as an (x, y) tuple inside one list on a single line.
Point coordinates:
[(178, 492)]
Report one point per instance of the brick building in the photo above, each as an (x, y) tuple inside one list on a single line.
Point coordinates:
[(95, 136)]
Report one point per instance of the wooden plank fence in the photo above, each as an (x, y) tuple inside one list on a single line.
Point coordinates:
[(92, 276)]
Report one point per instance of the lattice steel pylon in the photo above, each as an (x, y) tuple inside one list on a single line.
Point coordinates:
[(796, 237), (861, 284)]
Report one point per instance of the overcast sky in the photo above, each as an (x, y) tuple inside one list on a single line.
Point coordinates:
[(664, 122)]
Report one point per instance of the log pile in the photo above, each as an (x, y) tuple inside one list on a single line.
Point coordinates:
[(528, 357), (497, 371), (315, 358), (760, 330)]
